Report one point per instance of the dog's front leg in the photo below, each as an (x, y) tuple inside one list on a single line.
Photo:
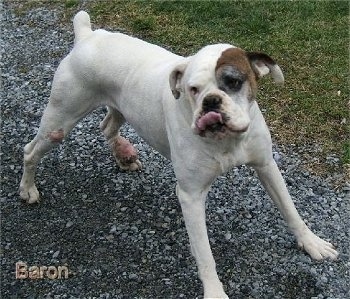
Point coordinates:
[(193, 209), (274, 184)]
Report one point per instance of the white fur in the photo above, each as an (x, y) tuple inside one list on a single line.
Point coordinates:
[(132, 78)]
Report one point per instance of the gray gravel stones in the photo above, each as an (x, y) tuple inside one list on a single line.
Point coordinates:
[(122, 234)]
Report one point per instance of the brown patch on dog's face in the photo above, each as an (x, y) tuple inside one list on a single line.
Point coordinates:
[(237, 60)]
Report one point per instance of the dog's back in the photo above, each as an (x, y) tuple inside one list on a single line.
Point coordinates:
[(114, 46)]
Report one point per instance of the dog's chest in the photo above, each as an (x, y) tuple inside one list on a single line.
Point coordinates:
[(231, 157)]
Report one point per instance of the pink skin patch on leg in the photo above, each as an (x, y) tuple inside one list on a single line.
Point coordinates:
[(56, 136), (124, 151)]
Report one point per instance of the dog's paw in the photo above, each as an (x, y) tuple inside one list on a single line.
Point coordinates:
[(214, 291), (30, 194), (316, 247), (125, 154), (223, 296), (133, 166)]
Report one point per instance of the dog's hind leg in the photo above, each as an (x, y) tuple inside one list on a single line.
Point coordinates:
[(67, 105), (123, 151)]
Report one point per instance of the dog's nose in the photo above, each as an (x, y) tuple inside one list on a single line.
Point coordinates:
[(211, 102)]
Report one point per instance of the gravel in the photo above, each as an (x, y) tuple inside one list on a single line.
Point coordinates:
[(122, 234)]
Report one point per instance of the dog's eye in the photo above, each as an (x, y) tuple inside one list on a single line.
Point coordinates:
[(233, 83), (194, 90), (236, 84)]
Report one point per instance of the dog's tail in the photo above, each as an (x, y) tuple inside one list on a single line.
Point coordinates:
[(82, 26)]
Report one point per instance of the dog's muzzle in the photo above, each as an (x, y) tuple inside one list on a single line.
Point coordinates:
[(212, 119)]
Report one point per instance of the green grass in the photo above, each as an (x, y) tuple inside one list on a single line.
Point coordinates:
[(309, 40), (71, 3)]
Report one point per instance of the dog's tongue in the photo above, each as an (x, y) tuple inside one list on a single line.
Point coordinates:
[(208, 119)]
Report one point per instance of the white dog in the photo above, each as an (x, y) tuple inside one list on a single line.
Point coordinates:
[(199, 111)]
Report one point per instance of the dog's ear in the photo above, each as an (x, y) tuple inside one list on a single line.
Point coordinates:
[(262, 64), (175, 79)]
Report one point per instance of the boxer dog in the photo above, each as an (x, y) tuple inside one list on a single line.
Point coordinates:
[(199, 111)]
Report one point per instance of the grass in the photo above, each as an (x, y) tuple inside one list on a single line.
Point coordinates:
[(309, 40)]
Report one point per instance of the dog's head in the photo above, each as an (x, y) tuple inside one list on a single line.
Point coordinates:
[(220, 81)]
